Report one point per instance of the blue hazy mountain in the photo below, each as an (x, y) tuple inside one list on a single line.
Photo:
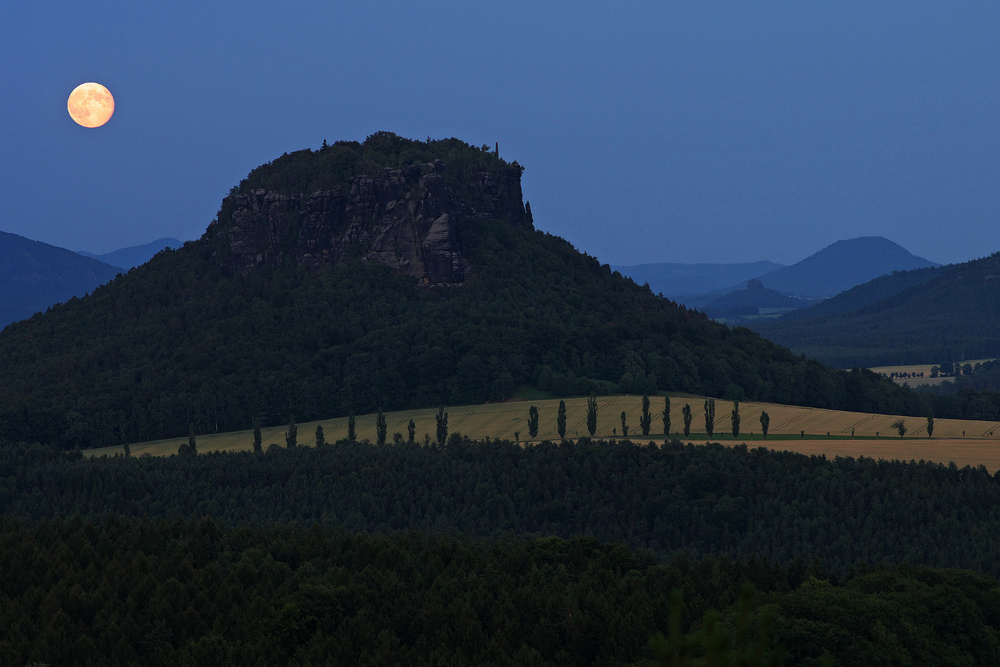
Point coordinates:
[(133, 256), (841, 266), (37, 275), (674, 279)]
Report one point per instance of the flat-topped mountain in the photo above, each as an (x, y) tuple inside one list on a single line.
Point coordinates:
[(36, 275), (393, 274)]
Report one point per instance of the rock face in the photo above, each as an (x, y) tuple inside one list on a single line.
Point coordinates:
[(407, 219)]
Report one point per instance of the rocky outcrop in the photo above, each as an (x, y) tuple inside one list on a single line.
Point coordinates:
[(408, 219)]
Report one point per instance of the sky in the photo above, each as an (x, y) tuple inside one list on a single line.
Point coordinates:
[(650, 132)]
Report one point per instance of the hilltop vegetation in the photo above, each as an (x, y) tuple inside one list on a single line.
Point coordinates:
[(186, 339)]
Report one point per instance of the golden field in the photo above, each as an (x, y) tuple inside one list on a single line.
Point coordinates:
[(919, 368), (964, 442)]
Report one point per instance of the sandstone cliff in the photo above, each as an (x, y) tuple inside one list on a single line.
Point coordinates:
[(408, 219)]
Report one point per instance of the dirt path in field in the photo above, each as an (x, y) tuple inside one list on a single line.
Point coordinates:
[(961, 451)]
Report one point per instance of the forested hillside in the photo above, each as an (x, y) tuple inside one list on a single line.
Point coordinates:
[(190, 593), (36, 275), (953, 315), (314, 294), (701, 500), (363, 554)]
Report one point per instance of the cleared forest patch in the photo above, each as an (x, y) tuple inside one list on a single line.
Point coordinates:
[(806, 430)]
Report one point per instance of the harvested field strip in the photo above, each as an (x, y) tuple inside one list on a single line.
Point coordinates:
[(502, 420)]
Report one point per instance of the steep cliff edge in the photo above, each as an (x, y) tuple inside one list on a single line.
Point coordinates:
[(408, 219)]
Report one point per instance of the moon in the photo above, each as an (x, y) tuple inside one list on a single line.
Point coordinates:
[(90, 104)]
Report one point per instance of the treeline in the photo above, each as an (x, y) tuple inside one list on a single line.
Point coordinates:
[(76, 592), (700, 500)]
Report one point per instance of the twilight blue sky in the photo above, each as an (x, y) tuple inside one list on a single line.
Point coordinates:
[(692, 132)]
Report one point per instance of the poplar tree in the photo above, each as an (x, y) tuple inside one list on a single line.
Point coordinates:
[(646, 419), (532, 421), (411, 430), (380, 427), (257, 446), (688, 417), (292, 434), (192, 444), (930, 425), (592, 414), (765, 421), (735, 418), (666, 416), (442, 426), (624, 426), (561, 419), (320, 438), (351, 430), (710, 416)]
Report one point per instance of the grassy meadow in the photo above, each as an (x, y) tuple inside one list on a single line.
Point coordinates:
[(807, 430)]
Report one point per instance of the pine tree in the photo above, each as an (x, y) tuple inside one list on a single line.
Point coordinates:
[(561, 419), (292, 434), (411, 430), (646, 419), (735, 418), (442, 426), (351, 430), (380, 427), (710, 416), (532, 421), (257, 446), (592, 414), (688, 417), (666, 416), (320, 438)]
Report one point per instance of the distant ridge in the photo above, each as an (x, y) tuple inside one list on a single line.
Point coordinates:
[(929, 316), (36, 275), (133, 256), (675, 279), (841, 266)]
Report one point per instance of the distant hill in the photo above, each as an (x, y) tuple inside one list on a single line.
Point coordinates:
[(133, 256), (944, 314), (674, 280), (841, 266), (749, 302), (390, 274), (36, 275), (866, 294)]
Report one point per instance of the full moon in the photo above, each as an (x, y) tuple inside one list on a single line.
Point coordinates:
[(90, 104)]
